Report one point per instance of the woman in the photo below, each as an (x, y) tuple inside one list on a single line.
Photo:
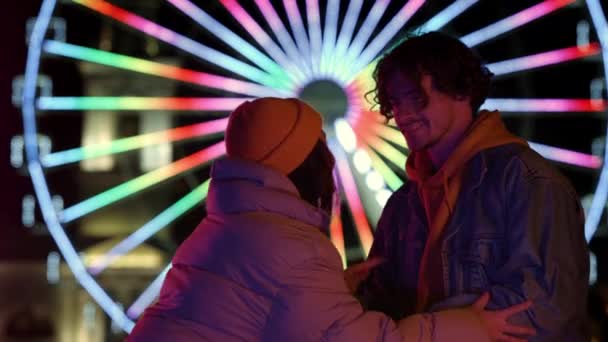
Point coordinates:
[(260, 267)]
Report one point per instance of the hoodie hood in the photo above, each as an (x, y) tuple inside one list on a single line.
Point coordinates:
[(487, 131), (439, 192)]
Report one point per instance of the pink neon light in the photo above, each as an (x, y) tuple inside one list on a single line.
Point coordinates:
[(200, 129), (546, 105), (410, 9), (567, 156), (537, 11), (223, 104), (545, 58), (270, 14), (354, 202), (336, 233), (245, 19), (212, 81), (131, 19), (564, 54), (355, 99)]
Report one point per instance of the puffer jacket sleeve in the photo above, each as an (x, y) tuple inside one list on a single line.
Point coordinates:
[(380, 290), (448, 325), (316, 305)]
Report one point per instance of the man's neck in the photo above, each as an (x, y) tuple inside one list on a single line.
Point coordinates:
[(441, 151)]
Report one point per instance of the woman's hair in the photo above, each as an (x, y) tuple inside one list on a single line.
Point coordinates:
[(314, 177), (454, 68)]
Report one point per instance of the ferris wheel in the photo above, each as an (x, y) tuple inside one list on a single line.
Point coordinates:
[(323, 53)]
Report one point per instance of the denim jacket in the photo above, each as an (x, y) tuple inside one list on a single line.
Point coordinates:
[(517, 231)]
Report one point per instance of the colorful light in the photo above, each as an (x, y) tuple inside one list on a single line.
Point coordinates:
[(543, 59), (392, 154), (346, 33), (139, 103), (280, 32), (546, 105), (329, 34), (148, 296), (38, 180), (346, 135), (362, 161), (262, 38), (198, 50), (390, 134), (392, 180), (157, 69), (567, 156), (336, 233), (362, 37), (135, 142), (444, 17), (382, 196), (514, 21), (297, 27), (598, 204), (142, 182), (152, 227), (374, 181), (237, 43), (387, 33), (353, 199), (314, 34)]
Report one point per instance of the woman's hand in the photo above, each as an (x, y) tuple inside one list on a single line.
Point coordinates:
[(496, 324), (355, 274)]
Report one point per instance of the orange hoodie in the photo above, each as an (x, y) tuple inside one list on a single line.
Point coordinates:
[(439, 192)]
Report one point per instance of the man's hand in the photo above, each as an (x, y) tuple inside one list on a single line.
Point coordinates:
[(496, 323), (355, 274)]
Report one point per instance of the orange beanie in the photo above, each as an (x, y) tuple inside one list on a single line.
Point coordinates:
[(279, 133)]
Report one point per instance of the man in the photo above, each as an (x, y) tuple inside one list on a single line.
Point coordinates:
[(481, 211)]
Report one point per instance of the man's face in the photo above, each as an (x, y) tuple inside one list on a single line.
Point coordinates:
[(423, 114)]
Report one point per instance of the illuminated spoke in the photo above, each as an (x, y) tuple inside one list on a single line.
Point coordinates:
[(353, 199), (543, 59), (329, 34), (196, 49), (227, 36), (280, 32), (362, 37), (336, 232), (156, 69), (387, 150), (514, 21), (136, 142), (314, 29), (545, 105), (390, 134), (389, 31), (345, 36), (297, 27), (567, 156), (444, 17), (391, 178), (598, 205), (142, 182), (152, 227), (139, 103), (262, 38), (148, 296)]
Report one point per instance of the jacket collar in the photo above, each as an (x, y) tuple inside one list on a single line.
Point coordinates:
[(239, 186)]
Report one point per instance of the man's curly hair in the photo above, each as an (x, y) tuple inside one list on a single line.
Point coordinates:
[(454, 69)]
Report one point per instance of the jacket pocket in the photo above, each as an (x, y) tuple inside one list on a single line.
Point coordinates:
[(478, 262)]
